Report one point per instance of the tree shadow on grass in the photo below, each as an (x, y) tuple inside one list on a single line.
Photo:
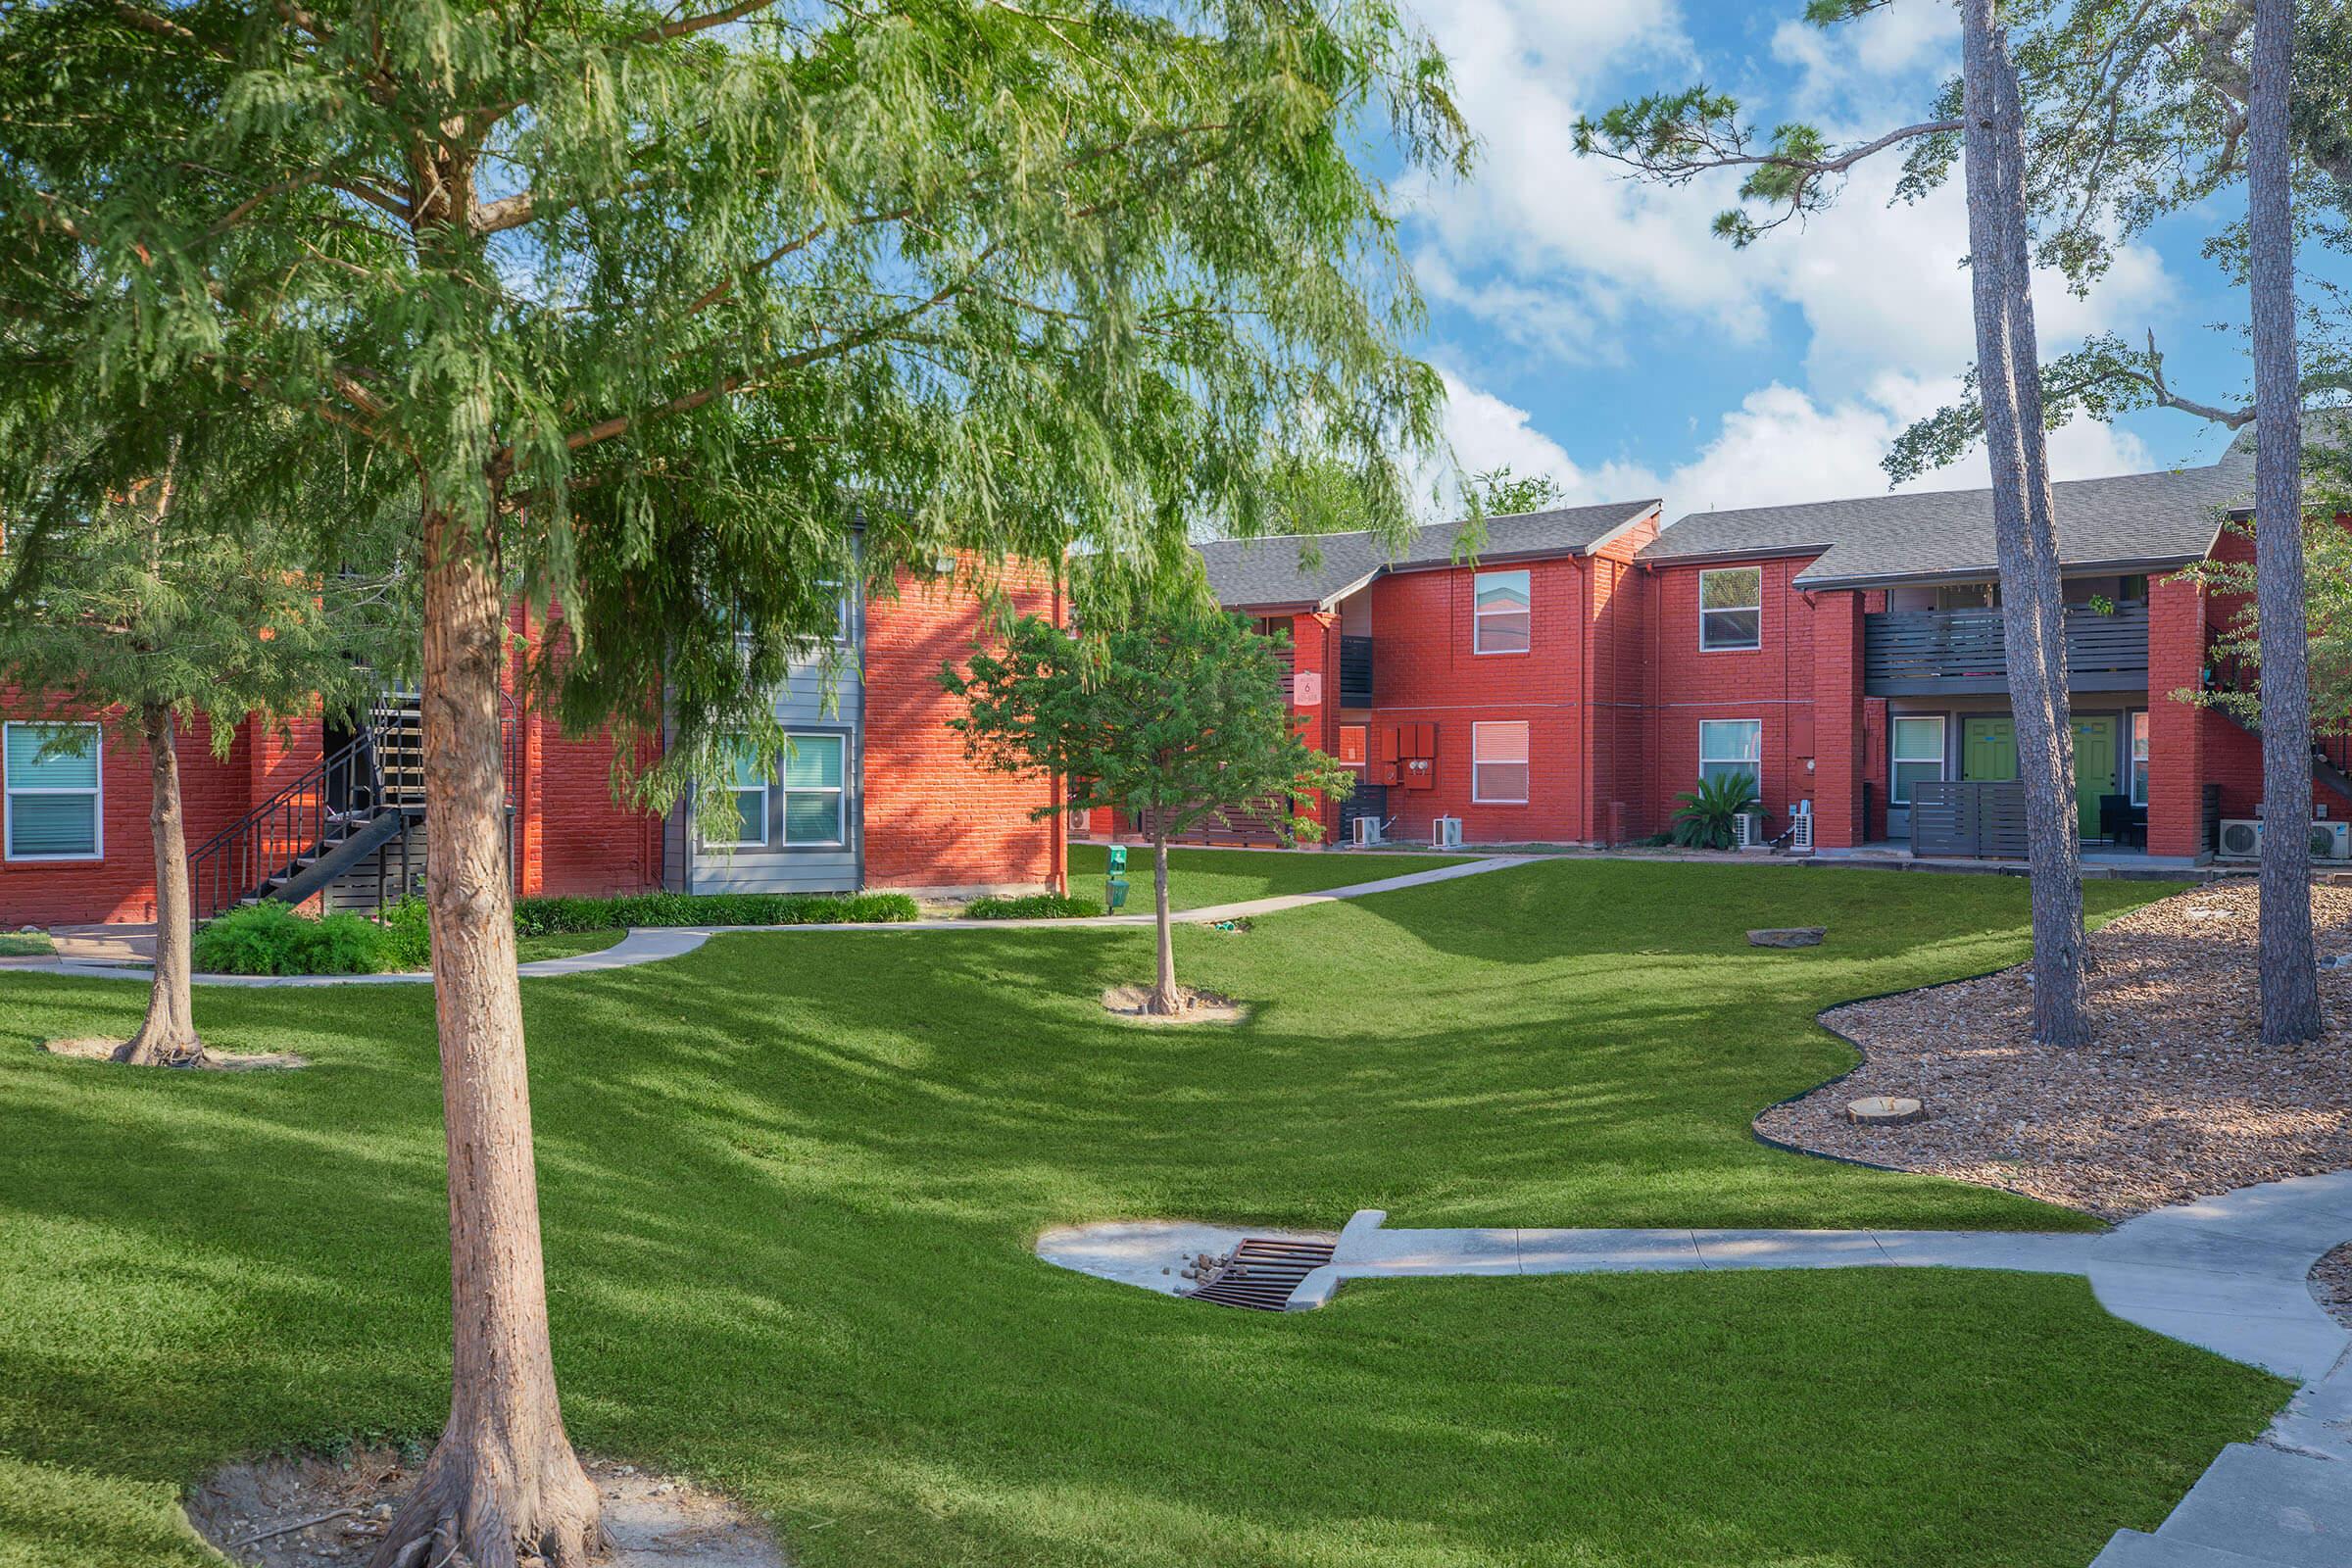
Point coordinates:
[(789, 1185)]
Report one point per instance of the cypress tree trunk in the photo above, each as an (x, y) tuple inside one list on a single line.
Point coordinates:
[(1164, 997), (503, 1477), (168, 1036), (2024, 539), (2288, 964)]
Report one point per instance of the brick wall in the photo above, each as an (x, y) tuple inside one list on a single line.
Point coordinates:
[(122, 887), (1775, 683), (1425, 671), (934, 818)]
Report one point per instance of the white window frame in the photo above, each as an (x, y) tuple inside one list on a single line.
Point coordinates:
[(1527, 762), (735, 794), (1942, 758), (1478, 615), (1754, 765), (96, 792), (1706, 645), (840, 793), (2137, 724)]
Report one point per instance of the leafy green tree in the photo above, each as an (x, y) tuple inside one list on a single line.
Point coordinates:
[(1168, 719), (679, 318), (1674, 137), (1501, 493), (152, 626)]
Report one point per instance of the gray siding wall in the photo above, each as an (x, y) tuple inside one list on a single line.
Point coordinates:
[(802, 705)]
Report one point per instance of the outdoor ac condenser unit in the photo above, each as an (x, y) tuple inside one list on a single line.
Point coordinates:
[(2241, 839), (1800, 829), (1368, 832), (1751, 829), (1445, 833), (2331, 841)]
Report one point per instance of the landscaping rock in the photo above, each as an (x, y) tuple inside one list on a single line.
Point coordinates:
[(1792, 936), (2175, 1098)]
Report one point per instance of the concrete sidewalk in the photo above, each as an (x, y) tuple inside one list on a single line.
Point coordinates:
[(116, 952), (2229, 1274)]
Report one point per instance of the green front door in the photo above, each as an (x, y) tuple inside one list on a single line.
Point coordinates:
[(1987, 750), (2095, 769)]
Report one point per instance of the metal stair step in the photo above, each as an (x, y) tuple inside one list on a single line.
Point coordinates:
[(2132, 1549), (2270, 1506)]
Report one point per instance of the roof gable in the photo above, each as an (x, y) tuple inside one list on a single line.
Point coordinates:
[(1318, 569)]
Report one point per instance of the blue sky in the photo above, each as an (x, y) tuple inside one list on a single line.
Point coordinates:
[(1595, 330)]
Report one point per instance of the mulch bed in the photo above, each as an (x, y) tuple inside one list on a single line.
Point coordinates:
[(2175, 1098)]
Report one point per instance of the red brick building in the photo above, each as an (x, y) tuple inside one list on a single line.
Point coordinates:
[(1589, 665), (876, 793)]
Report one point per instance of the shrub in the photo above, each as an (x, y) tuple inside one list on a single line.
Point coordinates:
[(408, 939), (539, 917), (1031, 906), (1706, 818), (271, 937)]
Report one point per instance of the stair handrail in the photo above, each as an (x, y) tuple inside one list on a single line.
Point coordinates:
[(236, 862)]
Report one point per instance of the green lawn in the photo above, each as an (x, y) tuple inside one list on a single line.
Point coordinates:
[(1199, 878), (565, 944), (791, 1180)]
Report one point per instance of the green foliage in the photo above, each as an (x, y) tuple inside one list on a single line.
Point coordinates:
[(273, 938), (1166, 719), (1707, 818), (820, 1164), (1503, 493), (687, 319), (549, 917), (25, 945), (141, 609), (2235, 662), (1031, 906)]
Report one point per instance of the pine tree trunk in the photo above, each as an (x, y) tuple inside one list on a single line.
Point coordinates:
[(504, 1476), (1164, 996), (2025, 537), (2288, 964), (168, 1035)]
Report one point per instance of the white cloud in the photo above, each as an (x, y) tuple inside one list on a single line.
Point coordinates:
[(1778, 445), (1487, 432), (1578, 271)]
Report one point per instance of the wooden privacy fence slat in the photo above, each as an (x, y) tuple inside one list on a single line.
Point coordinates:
[(1918, 653), (1977, 820)]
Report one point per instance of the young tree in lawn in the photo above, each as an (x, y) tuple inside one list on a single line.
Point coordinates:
[(681, 318), (151, 623), (1673, 138), (1173, 718)]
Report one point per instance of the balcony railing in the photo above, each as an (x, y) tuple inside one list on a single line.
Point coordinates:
[(1929, 653)]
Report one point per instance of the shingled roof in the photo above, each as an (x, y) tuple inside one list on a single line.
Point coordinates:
[(2135, 522), (1274, 572)]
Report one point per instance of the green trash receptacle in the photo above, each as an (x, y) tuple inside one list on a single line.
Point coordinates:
[(1114, 894)]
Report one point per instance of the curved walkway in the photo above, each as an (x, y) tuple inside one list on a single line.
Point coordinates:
[(653, 944), (2227, 1274)]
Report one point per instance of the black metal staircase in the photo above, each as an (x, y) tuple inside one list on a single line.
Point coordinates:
[(350, 829)]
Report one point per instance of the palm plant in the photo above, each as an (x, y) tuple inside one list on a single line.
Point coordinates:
[(1709, 814)]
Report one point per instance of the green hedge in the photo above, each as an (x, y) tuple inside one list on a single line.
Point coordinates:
[(271, 938), (1030, 907), (538, 917)]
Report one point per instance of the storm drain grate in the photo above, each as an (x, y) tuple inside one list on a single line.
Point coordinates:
[(1263, 1272)]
